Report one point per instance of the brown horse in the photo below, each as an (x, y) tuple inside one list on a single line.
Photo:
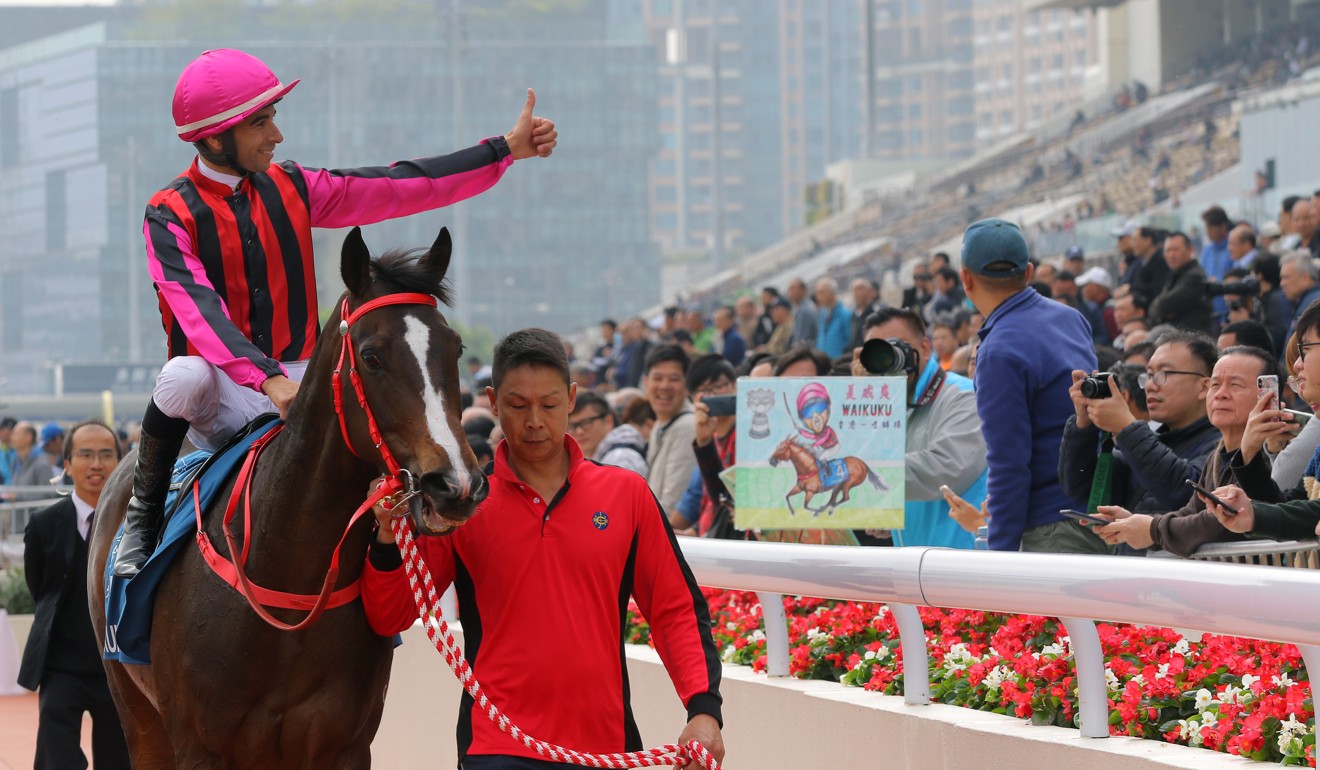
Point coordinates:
[(226, 690), (808, 477)]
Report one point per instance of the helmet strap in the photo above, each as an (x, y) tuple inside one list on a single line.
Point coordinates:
[(227, 156)]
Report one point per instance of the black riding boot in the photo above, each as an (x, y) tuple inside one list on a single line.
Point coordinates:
[(158, 448)]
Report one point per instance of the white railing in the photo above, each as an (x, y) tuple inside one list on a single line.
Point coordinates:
[(1257, 602)]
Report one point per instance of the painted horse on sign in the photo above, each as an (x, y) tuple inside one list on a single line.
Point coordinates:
[(229, 688)]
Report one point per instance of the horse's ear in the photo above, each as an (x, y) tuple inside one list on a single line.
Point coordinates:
[(438, 256), (355, 263)]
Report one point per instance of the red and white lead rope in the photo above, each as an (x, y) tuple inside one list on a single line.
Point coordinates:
[(428, 608)]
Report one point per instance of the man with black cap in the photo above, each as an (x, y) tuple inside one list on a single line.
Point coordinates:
[(1029, 347)]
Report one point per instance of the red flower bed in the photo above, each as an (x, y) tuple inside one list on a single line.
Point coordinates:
[(1240, 696)]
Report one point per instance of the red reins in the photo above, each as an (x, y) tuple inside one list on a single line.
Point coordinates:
[(399, 486)]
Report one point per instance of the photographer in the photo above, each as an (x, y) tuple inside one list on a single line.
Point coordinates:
[(1148, 469), (1273, 306), (1239, 291), (944, 441), (713, 440)]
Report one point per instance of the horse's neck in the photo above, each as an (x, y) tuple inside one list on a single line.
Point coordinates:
[(306, 485), (802, 459)]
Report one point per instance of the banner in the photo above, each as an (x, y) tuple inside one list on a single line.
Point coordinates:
[(821, 453)]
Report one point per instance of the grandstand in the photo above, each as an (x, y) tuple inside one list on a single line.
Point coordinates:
[(1126, 159)]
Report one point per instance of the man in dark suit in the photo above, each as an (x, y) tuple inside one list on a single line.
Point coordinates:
[(62, 661)]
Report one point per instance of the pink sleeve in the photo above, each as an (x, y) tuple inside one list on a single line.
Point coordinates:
[(363, 196), (197, 308)]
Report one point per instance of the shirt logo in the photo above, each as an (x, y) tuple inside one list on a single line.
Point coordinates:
[(600, 520)]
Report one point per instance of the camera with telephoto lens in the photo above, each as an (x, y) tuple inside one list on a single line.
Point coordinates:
[(889, 357), (1247, 287)]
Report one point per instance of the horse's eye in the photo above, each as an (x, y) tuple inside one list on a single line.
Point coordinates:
[(371, 360)]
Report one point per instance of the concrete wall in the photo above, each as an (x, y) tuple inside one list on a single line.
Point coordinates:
[(775, 723)]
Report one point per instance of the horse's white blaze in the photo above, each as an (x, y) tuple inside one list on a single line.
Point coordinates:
[(418, 338)]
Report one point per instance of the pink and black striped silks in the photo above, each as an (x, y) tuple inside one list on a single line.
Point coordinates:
[(234, 270)]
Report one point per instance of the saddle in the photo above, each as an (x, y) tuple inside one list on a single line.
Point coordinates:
[(129, 601), (833, 473)]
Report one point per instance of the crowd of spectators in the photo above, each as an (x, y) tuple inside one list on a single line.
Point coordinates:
[(1178, 330)]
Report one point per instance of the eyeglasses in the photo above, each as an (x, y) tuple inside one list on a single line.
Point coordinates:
[(105, 455), (713, 388), (1301, 349), (574, 427), (1158, 379)]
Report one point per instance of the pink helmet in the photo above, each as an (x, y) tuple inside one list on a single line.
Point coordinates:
[(220, 88), (811, 393)]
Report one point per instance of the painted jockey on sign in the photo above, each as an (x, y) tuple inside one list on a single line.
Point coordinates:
[(813, 404)]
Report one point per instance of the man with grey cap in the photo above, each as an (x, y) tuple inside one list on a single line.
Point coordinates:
[(1029, 348)]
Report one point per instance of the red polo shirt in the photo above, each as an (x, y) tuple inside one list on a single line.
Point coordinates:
[(544, 586)]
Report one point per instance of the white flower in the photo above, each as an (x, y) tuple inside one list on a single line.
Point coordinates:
[(1191, 730), (1234, 694), (993, 653), (882, 653), (757, 635), (1139, 679), (1204, 699), (1181, 648), (1292, 726), (1163, 672), (1209, 718), (1111, 680), (731, 626), (1248, 680), (882, 612), (995, 677), (815, 635), (870, 655), (1282, 680), (1286, 741), (729, 653), (1057, 650)]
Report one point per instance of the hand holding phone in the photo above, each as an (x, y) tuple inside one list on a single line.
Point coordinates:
[(1085, 518), (1268, 384), (721, 406), (1207, 494)]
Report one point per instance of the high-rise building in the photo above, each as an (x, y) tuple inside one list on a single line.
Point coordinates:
[(950, 76), (755, 99), (1030, 64), (86, 137), (920, 101)]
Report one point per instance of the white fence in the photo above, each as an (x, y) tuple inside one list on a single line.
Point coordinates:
[(1259, 602)]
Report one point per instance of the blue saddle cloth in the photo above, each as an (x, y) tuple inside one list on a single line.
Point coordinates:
[(833, 473), (129, 601)]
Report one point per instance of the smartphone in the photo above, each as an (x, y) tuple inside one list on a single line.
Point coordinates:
[(1085, 518), (1211, 496), (721, 406), (1300, 417), (1268, 383)]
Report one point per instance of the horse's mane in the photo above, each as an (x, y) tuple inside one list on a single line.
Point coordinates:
[(404, 268)]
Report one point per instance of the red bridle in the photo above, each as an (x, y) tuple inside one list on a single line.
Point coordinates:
[(399, 487)]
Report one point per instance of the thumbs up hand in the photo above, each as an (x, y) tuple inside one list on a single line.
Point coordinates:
[(531, 136)]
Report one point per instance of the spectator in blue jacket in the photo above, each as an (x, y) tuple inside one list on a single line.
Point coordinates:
[(834, 329), (1029, 349)]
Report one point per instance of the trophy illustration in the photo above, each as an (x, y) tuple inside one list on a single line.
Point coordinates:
[(760, 402)]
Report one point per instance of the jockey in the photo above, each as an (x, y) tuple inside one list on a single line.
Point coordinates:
[(229, 250), (813, 404)]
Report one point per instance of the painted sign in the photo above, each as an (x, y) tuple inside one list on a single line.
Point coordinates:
[(821, 453)]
